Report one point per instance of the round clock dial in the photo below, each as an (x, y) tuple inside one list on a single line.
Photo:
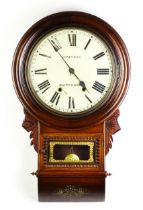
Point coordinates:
[(71, 71)]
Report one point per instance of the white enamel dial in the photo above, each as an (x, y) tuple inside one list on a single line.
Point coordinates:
[(70, 71)]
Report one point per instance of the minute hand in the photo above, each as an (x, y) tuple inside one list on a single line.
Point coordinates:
[(71, 70), (56, 50), (64, 61)]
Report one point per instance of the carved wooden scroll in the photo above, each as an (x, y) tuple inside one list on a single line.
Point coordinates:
[(31, 125), (112, 126)]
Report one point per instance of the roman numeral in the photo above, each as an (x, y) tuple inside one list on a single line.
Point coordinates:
[(71, 103), (41, 71), (87, 44), (44, 86), (98, 55), (102, 71), (55, 43), (55, 98), (88, 98), (98, 86), (72, 39)]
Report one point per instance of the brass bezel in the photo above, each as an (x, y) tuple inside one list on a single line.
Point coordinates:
[(52, 145)]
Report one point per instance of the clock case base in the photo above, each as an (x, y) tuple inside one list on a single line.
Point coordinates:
[(72, 188), (71, 181)]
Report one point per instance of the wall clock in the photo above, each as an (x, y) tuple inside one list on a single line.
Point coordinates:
[(71, 72)]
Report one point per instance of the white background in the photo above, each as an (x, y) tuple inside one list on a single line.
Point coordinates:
[(124, 189)]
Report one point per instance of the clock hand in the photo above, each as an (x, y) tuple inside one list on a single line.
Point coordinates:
[(64, 61), (71, 70), (56, 50), (81, 83)]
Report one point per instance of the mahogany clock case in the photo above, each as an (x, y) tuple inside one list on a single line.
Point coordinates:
[(54, 135), (88, 22)]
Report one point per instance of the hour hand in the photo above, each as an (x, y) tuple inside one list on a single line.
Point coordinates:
[(81, 83)]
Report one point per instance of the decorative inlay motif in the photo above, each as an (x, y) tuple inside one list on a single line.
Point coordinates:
[(71, 192)]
